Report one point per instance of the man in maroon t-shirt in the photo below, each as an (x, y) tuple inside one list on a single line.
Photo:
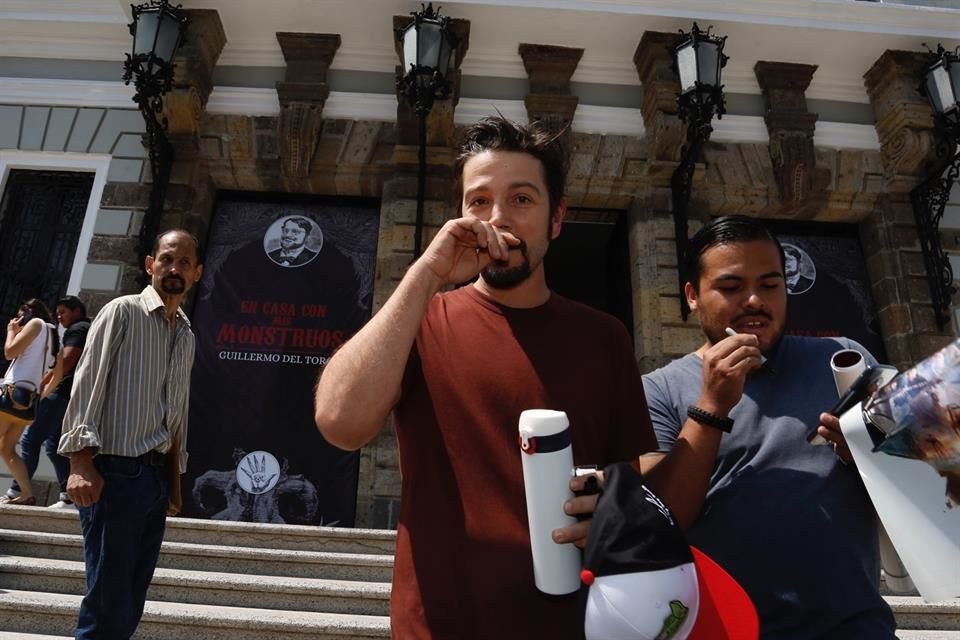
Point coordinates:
[(457, 368)]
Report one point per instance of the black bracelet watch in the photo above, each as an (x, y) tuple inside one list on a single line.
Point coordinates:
[(709, 419)]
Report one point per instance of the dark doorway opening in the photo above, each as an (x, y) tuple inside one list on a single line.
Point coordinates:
[(590, 262), (41, 215)]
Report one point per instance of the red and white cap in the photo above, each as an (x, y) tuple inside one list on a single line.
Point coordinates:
[(646, 582)]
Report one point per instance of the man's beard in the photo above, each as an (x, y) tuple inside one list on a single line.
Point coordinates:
[(499, 275), (290, 245), (173, 285)]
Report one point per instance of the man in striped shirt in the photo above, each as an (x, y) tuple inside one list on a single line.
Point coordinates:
[(129, 405)]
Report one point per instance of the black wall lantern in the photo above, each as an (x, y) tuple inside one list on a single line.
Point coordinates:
[(941, 84), (157, 31), (428, 45), (698, 60)]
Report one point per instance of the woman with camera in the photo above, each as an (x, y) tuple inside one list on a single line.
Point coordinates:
[(32, 344)]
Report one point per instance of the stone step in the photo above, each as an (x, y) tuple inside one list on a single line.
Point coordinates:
[(36, 613), (210, 588), (913, 613), (220, 532), (47, 613), (287, 571), (223, 559)]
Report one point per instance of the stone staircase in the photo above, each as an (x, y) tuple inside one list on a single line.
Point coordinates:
[(230, 580), (214, 580)]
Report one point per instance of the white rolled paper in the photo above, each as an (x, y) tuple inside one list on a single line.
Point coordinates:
[(847, 365), (546, 481), (908, 497)]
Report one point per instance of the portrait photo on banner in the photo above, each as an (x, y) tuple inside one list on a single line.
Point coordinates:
[(828, 291)]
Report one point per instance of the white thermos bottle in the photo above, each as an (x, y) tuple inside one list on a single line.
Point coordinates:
[(547, 454)]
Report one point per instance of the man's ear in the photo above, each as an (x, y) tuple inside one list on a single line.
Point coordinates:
[(148, 263), (556, 220), (198, 274), (691, 296)]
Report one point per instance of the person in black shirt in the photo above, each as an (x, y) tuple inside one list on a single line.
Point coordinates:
[(45, 429)]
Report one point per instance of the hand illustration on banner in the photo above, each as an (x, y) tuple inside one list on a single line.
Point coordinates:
[(257, 490), (256, 472)]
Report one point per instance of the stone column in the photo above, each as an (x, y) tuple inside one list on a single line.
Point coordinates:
[(664, 131), (659, 332), (302, 94), (791, 127), (378, 489), (189, 196), (193, 80), (399, 198), (904, 123), (550, 99), (191, 192)]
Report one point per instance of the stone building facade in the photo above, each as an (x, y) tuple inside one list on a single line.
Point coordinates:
[(789, 172)]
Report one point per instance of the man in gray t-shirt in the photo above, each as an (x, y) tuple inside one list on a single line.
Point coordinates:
[(789, 520)]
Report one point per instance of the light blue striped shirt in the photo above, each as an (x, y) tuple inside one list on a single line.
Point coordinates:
[(131, 388)]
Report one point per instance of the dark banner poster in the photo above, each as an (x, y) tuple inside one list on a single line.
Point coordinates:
[(827, 285), (284, 284)]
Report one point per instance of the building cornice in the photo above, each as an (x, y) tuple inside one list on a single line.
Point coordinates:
[(839, 15), (840, 135), (94, 30), (87, 11), (72, 93), (383, 107), (842, 15)]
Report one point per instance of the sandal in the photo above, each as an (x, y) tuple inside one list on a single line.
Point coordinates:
[(22, 501)]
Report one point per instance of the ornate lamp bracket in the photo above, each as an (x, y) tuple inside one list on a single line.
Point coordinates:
[(696, 107), (929, 200), (930, 197), (423, 82), (152, 77)]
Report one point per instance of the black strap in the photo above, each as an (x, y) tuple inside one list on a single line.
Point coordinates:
[(710, 419), (546, 444)]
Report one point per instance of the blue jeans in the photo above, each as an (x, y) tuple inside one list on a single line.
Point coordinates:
[(122, 534), (45, 429)]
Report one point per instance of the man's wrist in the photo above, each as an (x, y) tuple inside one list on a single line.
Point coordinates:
[(711, 406), (82, 456), (709, 419), (422, 272)]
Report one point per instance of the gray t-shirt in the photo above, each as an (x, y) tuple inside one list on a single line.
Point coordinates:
[(791, 523)]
